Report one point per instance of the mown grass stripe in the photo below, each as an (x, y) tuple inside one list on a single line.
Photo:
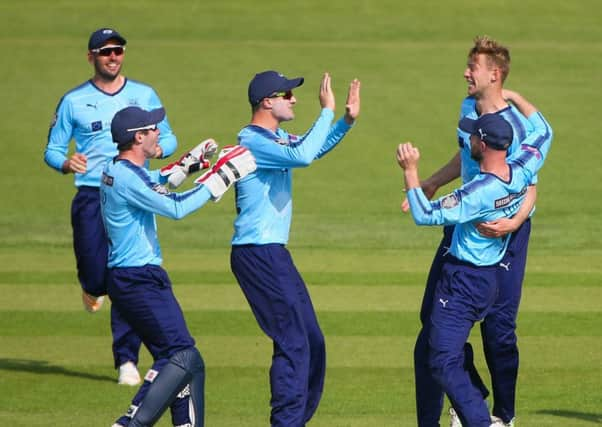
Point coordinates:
[(183, 277), (325, 298), (242, 323), (357, 351)]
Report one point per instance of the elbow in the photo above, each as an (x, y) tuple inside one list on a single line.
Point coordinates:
[(421, 219), (303, 161)]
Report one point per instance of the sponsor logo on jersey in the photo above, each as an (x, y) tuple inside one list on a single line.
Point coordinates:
[(96, 126), (450, 201), (107, 179), (92, 105), (505, 201)]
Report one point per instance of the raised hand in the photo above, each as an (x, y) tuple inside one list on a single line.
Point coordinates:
[(352, 106), (326, 94)]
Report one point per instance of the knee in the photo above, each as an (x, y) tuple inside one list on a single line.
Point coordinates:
[(442, 367), (189, 359)]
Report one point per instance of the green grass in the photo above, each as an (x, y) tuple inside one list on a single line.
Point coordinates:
[(364, 261)]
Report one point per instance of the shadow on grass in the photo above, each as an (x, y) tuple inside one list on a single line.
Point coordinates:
[(594, 418), (43, 367)]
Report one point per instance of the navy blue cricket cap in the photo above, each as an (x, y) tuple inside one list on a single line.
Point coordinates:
[(268, 83), (128, 121), (493, 129), (99, 37)]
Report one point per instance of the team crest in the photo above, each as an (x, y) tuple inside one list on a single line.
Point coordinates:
[(450, 201)]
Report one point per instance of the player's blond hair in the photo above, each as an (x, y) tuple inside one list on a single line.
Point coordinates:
[(496, 53)]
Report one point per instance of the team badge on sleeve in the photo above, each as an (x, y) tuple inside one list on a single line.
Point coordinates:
[(450, 201)]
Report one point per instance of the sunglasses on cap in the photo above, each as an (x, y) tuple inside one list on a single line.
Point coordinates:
[(147, 127), (108, 50), (286, 95)]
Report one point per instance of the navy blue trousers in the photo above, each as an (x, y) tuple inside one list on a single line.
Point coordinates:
[(463, 296), (145, 299), (498, 331), (91, 252), (282, 306)]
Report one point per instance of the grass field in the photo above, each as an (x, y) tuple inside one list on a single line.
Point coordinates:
[(364, 261)]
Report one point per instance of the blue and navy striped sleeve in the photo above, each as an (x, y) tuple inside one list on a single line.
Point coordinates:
[(534, 149), (144, 194), (59, 136), (271, 155), (167, 139), (336, 134), (461, 206)]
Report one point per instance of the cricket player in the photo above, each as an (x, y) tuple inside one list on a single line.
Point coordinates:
[(260, 260), (487, 68), (140, 290), (84, 115), (468, 284)]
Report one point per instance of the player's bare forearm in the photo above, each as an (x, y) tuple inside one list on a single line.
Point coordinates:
[(411, 178), (524, 106), (527, 206), (449, 172), (503, 226)]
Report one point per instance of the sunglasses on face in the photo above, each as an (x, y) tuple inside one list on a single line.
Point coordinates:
[(108, 50), (147, 127), (286, 95)]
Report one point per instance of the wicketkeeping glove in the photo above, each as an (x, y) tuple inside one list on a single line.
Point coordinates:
[(234, 163), (195, 160)]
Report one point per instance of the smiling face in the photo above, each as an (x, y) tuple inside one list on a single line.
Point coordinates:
[(480, 75), (107, 60)]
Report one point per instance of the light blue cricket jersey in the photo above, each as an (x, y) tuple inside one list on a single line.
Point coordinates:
[(130, 198), (263, 198), (521, 128), (485, 198), (85, 114)]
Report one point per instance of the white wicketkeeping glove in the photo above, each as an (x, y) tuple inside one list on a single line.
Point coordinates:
[(234, 163), (195, 160)]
